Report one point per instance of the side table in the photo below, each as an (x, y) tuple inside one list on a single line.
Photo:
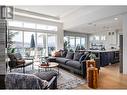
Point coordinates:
[(92, 77), (90, 63)]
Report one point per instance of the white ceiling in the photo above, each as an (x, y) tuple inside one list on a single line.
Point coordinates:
[(57, 11), (86, 19)]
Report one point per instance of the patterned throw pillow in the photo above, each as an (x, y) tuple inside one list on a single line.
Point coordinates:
[(84, 57)]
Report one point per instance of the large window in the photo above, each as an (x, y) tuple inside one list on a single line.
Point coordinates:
[(16, 38), (28, 38), (29, 25), (41, 44), (15, 23), (15, 41), (22, 42), (32, 25), (74, 43), (83, 42), (77, 41), (51, 43), (33, 35)]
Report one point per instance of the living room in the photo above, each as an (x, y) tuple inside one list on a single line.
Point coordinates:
[(56, 43)]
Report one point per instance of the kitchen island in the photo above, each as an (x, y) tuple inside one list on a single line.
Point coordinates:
[(106, 56)]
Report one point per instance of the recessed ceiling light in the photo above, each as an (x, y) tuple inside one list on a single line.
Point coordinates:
[(115, 18)]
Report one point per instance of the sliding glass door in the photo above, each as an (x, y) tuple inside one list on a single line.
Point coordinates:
[(15, 41), (41, 44), (31, 43), (51, 43)]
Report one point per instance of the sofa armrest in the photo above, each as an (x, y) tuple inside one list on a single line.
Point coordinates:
[(51, 59), (52, 84)]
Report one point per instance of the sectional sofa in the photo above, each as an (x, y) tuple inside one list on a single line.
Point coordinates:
[(75, 62)]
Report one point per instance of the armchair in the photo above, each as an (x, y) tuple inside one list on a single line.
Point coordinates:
[(16, 61)]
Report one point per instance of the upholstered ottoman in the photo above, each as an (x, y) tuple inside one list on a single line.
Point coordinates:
[(48, 76)]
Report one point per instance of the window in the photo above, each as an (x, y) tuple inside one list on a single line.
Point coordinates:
[(66, 38), (97, 38), (41, 37), (74, 43), (32, 25), (53, 28), (15, 41), (29, 25), (16, 38), (83, 42), (51, 43), (27, 39), (45, 42), (77, 41), (102, 37), (15, 23), (41, 44), (41, 26)]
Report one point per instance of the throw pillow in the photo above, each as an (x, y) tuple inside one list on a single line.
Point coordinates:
[(84, 57), (69, 55), (87, 56), (56, 54), (64, 53), (77, 56)]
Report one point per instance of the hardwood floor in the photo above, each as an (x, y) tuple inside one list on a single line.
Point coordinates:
[(109, 78)]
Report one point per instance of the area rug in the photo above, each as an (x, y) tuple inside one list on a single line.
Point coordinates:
[(66, 80)]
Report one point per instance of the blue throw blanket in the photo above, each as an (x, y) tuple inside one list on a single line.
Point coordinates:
[(24, 81)]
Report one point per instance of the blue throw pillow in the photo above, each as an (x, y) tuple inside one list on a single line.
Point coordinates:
[(84, 57)]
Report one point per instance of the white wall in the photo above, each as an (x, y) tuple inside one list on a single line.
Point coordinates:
[(125, 44)]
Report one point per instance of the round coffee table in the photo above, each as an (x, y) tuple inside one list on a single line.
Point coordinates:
[(49, 67)]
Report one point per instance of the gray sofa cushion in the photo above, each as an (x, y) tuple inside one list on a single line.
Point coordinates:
[(75, 64), (61, 60), (77, 56), (69, 55), (46, 75)]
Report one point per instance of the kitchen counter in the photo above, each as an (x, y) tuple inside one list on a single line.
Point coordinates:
[(106, 56), (111, 50)]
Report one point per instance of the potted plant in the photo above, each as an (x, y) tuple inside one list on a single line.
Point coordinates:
[(92, 56)]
